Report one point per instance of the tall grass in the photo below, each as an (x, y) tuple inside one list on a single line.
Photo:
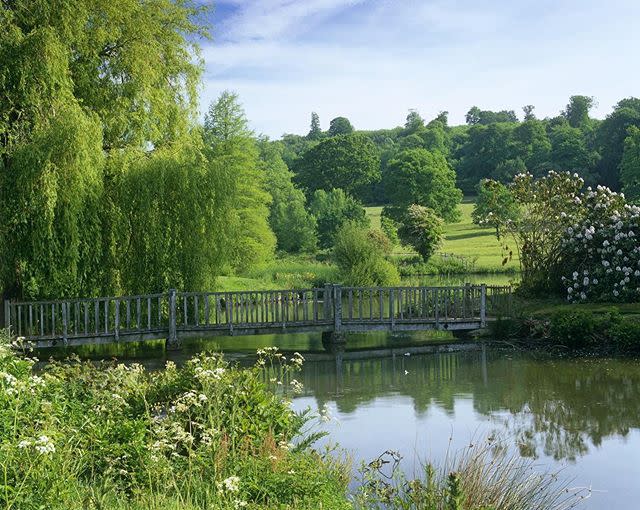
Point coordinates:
[(482, 476)]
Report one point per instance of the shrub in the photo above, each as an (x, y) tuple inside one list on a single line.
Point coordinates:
[(625, 335), (421, 228), (602, 257), (333, 209), (206, 435), (360, 258), (581, 328)]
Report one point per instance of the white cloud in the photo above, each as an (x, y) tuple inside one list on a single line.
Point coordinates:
[(285, 60)]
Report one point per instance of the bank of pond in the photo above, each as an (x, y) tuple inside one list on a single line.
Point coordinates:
[(392, 421)]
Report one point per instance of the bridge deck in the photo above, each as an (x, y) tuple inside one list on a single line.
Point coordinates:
[(176, 315)]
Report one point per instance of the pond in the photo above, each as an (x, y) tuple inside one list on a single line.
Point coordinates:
[(578, 415), (581, 416)]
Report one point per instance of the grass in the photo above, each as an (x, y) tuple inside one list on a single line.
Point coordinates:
[(464, 239)]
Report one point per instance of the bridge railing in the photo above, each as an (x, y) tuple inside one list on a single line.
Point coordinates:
[(168, 314), (224, 310)]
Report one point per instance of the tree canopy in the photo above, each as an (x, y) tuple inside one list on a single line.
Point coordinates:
[(350, 162)]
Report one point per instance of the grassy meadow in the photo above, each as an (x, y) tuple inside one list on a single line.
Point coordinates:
[(465, 239), (477, 247)]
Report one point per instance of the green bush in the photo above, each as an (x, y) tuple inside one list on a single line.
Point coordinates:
[(204, 436), (625, 335), (577, 328), (422, 229), (359, 255)]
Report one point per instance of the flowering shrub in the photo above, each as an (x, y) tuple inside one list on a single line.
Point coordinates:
[(554, 218), (602, 253), (206, 435)]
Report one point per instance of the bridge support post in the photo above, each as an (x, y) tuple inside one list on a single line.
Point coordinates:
[(483, 305), (333, 342), (173, 343), (337, 309)]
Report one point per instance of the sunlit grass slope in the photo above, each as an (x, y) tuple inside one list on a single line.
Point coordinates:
[(466, 240)]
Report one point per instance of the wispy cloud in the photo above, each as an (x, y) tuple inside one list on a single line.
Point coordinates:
[(372, 60)]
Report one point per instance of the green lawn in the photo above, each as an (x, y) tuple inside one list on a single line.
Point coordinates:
[(466, 240)]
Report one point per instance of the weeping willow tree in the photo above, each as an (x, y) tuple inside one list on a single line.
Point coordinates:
[(86, 86)]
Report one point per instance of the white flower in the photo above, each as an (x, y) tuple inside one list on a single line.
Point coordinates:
[(44, 445), (231, 484), (24, 444)]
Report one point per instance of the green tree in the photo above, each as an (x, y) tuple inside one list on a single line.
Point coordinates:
[(532, 145), (293, 225), (569, 151), (332, 209), (414, 123), (495, 205), (477, 116), (421, 228), (350, 162), (630, 165), (418, 176), (315, 131), (340, 126), (74, 96), (528, 112), (610, 137), (242, 182), (577, 111), (360, 256)]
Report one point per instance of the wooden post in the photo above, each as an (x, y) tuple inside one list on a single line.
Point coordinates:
[(326, 301), (7, 315), (116, 329), (483, 305), (337, 309), (172, 341), (392, 313), (64, 323)]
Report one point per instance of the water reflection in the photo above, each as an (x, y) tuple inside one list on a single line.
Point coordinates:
[(553, 408)]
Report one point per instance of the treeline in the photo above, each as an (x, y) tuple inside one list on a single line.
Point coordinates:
[(493, 145)]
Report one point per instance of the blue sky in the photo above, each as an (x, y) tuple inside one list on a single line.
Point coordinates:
[(373, 60)]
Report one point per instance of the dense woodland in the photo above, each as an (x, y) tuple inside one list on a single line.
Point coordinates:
[(110, 183)]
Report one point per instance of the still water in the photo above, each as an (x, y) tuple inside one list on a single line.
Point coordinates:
[(578, 415)]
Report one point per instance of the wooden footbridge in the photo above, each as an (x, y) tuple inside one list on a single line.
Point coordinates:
[(332, 310)]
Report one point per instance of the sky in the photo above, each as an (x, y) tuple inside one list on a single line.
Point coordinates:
[(373, 60)]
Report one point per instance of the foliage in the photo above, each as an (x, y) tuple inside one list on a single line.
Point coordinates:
[(331, 210), (417, 176), (483, 476), (206, 435), (349, 162), (421, 228), (579, 328), (173, 224), (610, 137), (577, 111), (477, 116), (630, 165), (71, 98), (602, 261), (360, 257), (340, 126), (293, 225), (242, 183), (315, 131), (547, 208), (495, 205)]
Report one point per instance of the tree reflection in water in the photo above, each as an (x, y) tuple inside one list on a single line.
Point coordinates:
[(555, 407)]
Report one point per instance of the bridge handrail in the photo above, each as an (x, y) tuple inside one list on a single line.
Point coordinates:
[(175, 311)]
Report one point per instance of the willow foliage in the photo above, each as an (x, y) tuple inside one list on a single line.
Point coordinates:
[(81, 82)]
